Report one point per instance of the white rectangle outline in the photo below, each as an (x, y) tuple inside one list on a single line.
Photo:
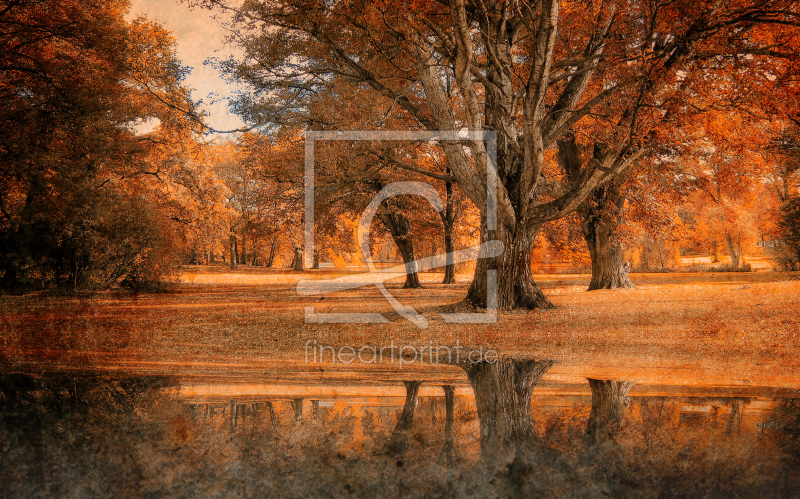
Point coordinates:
[(489, 136)]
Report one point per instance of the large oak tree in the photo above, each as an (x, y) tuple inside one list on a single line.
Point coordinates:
[(531, 71)]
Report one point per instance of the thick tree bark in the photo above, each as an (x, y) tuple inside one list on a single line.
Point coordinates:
[(600, 450), (510, 449), (399, 441), (735, 417), (297, 405), (734, 250), (600, 216), (448, 221), (297, 262), (400, 229), (609, 404), (503, 392), (515, 285)]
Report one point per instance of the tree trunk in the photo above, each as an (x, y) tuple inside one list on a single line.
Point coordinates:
[(503, 392), (400, 229), (448, 221), (297, 405), (609, 402), (510, 449), (273, 419), (233, 416), (243, 259), (233, 249), (272, 249), (315, 264), (600, 450), (601, 215), (448, 449), (297, 263), (399, 441), (734, 419), (515, 285), (732, 250)]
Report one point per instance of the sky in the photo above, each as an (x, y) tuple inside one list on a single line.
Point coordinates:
[(198, 38)]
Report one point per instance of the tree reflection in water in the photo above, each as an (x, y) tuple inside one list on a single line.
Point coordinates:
[(79, 436)]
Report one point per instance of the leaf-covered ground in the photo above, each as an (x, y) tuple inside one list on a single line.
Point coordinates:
[(723, 329)]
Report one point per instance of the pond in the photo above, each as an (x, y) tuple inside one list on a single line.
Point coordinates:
[(153, 436)]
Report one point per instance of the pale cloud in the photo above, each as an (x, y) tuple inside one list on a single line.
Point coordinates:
[(199, 37)]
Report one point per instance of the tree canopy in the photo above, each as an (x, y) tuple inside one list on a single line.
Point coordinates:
[(602, 74)]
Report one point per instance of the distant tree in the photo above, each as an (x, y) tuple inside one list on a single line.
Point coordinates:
[(784, 175), (263, 198), (81, 202), (789, 227), (723, 160)]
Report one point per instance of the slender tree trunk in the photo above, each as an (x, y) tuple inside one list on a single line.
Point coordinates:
[(273, 419), (244, 252), (739, 247), (601, 215), (732, 250), (400, 229), (273, 247), (315, 264), (233, 417), (448, 222), (233, 249), (448, 449), (399, 441), (660, 254), (515, 285)]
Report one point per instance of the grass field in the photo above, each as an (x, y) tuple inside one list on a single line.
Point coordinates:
[(724, 329)]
